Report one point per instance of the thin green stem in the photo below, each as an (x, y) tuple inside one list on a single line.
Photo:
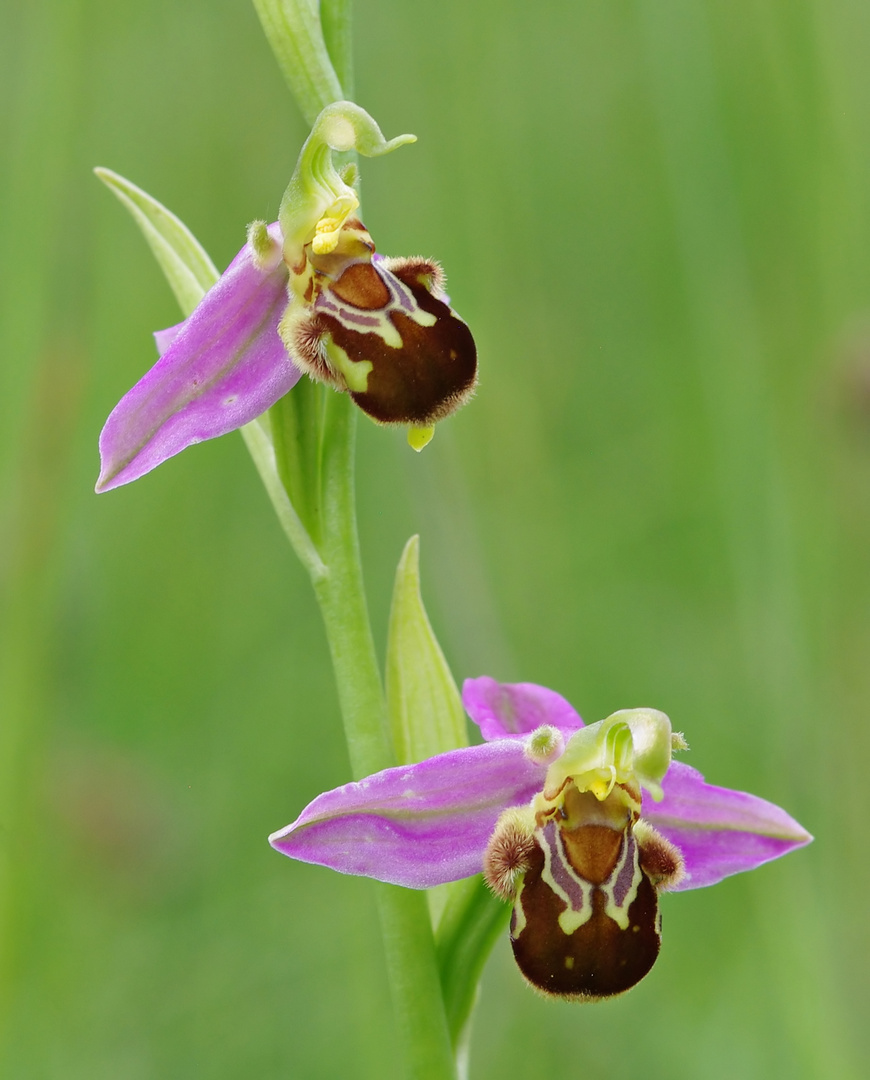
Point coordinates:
[(262, 451), (335, 16), (408, 940), (414, 986), (296, 427), (294, 31), (341, 596), (312, 457)]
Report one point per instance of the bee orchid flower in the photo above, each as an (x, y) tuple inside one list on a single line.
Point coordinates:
[(579, 827), (307, 294)]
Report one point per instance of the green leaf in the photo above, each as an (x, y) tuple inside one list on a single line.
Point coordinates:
[(188, 269), (423, 702), (472, 921)]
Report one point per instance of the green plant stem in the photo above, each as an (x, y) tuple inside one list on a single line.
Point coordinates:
[(262, 451), (335, 17), (342, 599), (415, 990), (313, 46), (295, 33), (408, 940)]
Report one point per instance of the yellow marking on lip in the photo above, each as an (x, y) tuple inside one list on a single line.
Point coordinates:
[(570, 919), (421, 317), (519, 913), (354, 372), (619, 913)]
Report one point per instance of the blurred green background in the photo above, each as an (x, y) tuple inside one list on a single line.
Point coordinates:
[(655, 216)]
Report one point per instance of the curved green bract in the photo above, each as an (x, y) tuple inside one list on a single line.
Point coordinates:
[(184, 261), (472, 922), (423, 701)]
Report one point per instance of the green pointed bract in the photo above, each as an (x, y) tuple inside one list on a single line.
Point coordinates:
[(319, 200), (184, 261), (424, 704)]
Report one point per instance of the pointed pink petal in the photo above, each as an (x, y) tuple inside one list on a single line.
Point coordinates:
[(509, 710), (225, 366), (719, 831), (418, 825)]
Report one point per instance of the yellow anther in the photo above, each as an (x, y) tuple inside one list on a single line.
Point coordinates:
[(598, 782), (326, 236), (328, 229), (601, 789)]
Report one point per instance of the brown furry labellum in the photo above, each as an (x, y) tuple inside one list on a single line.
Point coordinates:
[(382, 330), (585, 924)]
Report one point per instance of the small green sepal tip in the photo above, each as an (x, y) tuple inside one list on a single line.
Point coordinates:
[(266, 251)]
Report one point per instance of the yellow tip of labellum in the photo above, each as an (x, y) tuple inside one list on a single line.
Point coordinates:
[(418, 437)]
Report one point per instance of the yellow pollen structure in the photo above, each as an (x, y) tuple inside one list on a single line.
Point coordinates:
[(601, 787), (328, 229)]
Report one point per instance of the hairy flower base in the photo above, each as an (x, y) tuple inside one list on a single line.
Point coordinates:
[(584, 882), (579, 827)]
